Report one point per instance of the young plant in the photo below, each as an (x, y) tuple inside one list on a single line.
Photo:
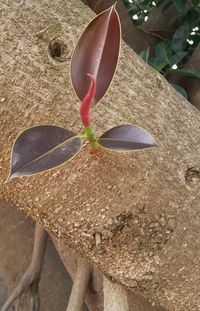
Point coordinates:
[(93, 65)]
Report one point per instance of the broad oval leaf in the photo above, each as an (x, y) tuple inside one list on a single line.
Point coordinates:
[(163, 51), (176, 58), (126, 138), (158, 63), (41, 148), (192, 17), (179, 40), (180, 5), (186, 72), (96, 53), (145, 54), (180, 89)]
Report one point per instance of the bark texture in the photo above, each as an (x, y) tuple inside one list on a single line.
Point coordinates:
[(135, 215), (115, 297), (118, 298)]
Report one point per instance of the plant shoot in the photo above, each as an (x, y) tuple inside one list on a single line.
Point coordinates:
[(93, 65)]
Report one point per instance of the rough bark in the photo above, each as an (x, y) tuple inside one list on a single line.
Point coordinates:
[(143, 205), (98, 289)]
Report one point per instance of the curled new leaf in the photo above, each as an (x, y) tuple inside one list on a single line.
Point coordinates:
[(96, 53), (86, 103), (126, 138), (41, 148)]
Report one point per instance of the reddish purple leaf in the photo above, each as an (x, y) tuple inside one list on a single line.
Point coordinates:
[(41, 148), (96, 53), (126, 138)]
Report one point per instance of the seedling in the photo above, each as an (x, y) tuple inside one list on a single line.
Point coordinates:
[(93, 65)]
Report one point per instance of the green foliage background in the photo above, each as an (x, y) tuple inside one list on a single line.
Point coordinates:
[(171, 55)]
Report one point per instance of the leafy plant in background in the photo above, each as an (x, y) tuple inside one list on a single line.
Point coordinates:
[(93, 66), (171, 56), (140, 8)]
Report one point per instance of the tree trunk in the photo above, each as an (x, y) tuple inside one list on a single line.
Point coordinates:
[(119, 298), (115, 297), (143, 206), (94, 294)]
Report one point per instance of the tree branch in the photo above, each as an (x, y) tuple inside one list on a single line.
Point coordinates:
[(80, 285), (30, 279), (94, 294), (117, 298)]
